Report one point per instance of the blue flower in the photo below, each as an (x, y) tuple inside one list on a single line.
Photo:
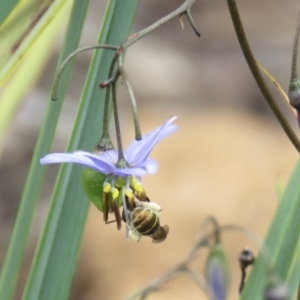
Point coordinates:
[(217, 280), (217, 272), (136, 155)]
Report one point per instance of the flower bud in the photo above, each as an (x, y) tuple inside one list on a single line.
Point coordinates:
[(294, 93), (217, 273), (246, 258)]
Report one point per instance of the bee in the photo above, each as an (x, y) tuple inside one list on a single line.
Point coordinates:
[(143, 219)]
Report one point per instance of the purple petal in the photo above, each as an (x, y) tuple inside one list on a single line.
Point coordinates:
[(110, 157), (216, 280), (149, 165), (130, 171), (138, 151), (81, 159)]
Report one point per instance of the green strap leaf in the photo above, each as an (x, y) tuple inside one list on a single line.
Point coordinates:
[(55, 260), (36, 174), (6, 8), (26, 23), (28, 72), (281, 240)]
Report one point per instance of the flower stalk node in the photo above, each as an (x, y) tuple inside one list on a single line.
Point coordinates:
[(105, 144)]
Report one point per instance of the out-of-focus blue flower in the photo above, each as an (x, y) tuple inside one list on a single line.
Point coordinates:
[(216, 280), (217, 273), (136, 155)]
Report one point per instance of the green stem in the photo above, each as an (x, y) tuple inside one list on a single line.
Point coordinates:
[(137, 128), (121, 158), (298, 295), (54, 95), (257, 75), (107, 97), (177, 12), (216, 227), (295, 51)]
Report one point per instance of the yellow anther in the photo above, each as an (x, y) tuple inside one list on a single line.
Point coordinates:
[(139, 188), (136, 185), (115, 193), (106, 187), (129, 193)]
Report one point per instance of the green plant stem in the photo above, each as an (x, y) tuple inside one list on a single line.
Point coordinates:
[(181, 268), (121, 158), (183, 9), (295, 51), (54, 95), (257, 75), (177, 12), (216, 227), (107, 98), (137, 128)]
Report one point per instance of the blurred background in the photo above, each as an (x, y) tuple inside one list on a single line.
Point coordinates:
[(224, 161)]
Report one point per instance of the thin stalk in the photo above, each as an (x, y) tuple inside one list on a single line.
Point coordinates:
[(191, 21), (137, 128), (177, 12), (159, 281), (121, 158), (216, 226), (257, 75), (54, 95), (107, 98), (295, 51), (105, 133), (279, 89), (243, 277)]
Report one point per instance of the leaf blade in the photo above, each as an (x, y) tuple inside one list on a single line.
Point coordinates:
[(36, 174), (59, 246), (281, 240), (7, 7)]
